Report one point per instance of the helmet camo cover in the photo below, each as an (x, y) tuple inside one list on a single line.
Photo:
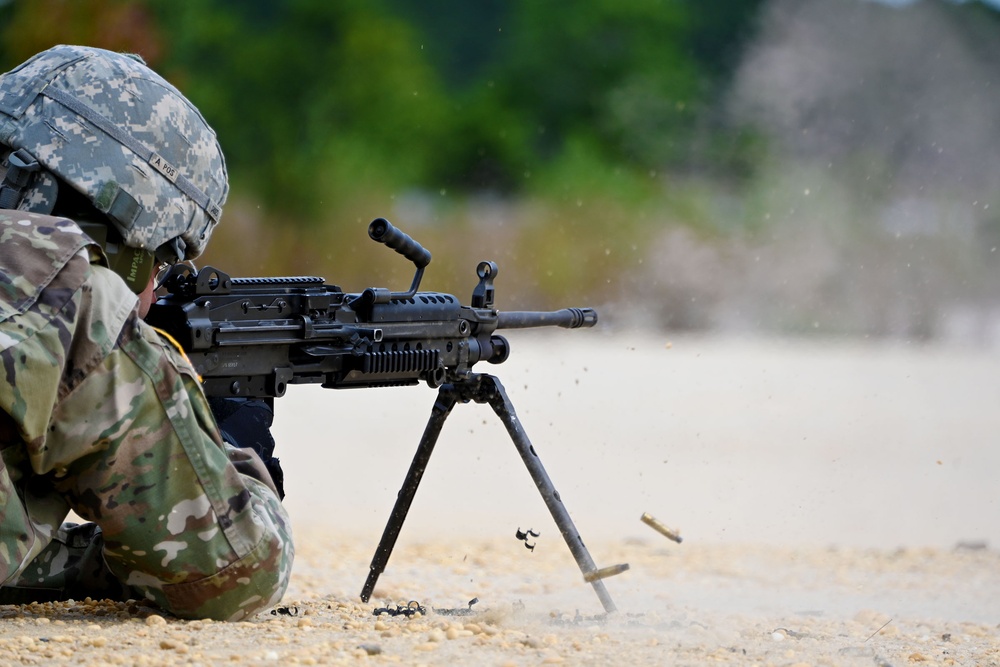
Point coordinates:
[(117, 132)]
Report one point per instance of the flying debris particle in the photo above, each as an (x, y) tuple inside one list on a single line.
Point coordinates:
[(523, 536), (660, 528), (458, 612), (605, 572)]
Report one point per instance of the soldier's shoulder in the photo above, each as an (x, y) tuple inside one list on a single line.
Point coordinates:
[(40, 227), (34, 248)]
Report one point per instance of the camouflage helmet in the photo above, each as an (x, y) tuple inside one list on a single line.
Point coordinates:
[(119, 134)]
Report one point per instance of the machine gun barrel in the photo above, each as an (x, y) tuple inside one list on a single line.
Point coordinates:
[(567, 318)]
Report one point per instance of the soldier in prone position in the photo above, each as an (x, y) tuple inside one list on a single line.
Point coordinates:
[(108, 173)]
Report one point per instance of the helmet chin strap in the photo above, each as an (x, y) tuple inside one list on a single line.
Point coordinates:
[(133, 265), (21, 171)]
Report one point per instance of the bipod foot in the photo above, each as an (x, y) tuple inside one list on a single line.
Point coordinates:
[(491, 391)]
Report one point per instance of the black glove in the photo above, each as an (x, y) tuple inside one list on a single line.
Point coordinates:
[(246, 422)]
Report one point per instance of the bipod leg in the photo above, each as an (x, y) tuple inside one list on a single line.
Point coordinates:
[(446, 399), (491, 391)]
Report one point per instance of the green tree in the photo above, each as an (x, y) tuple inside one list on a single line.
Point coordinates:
[(310, 98), (627, 83), (316, 100)]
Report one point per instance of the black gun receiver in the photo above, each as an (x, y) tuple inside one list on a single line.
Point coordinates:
[(252, 337)]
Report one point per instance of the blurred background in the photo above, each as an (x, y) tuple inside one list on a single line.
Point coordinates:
[(787, 213), (790, 167)]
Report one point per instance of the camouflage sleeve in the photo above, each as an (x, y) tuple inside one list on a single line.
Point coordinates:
[(190, 521)]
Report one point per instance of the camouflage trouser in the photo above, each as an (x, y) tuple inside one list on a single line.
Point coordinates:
[(100, 416)]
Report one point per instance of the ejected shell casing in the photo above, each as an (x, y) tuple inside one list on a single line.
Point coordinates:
[(660, 528), (604, 572)]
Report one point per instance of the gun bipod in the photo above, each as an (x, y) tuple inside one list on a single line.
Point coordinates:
[(481, 388)]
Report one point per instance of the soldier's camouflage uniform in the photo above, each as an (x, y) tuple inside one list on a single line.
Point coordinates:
[(100, 415)]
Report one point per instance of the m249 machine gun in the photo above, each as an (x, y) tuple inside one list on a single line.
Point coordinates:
[(252, 337)]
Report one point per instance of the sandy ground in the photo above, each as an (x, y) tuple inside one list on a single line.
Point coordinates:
[(838, 503)]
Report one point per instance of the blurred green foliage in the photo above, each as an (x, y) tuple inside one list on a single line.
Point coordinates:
[(315, 100), (594, 150)]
